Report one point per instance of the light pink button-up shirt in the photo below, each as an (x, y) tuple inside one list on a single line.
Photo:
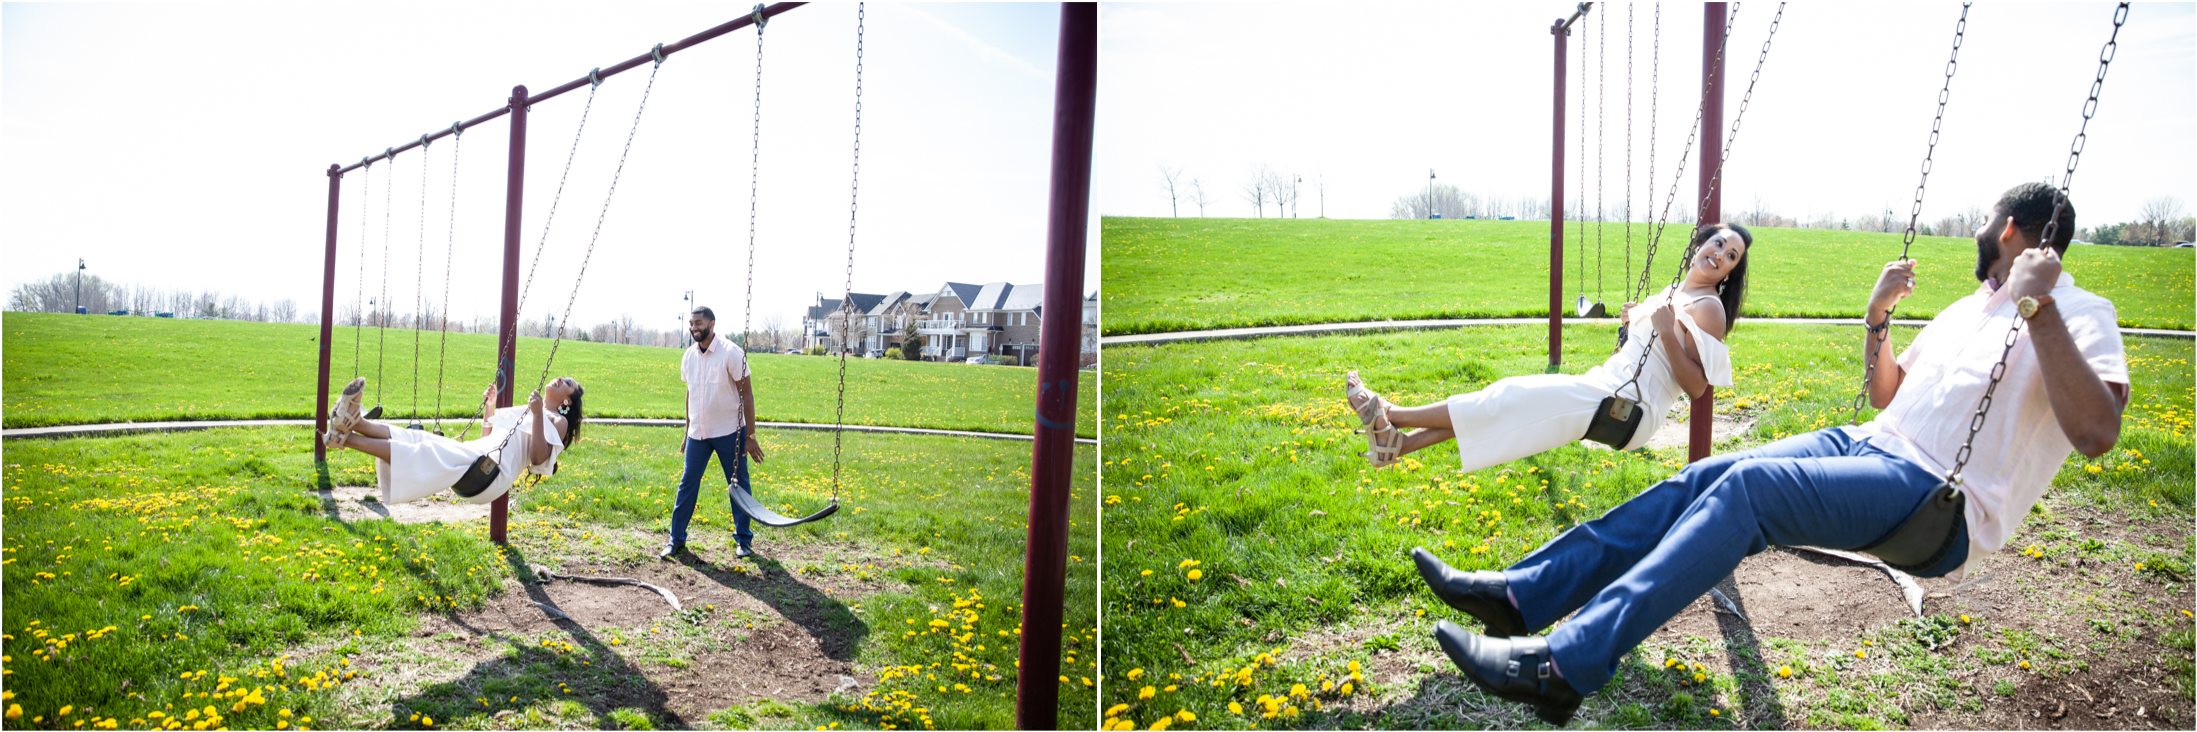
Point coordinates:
[(2021, 445), (713, 400)]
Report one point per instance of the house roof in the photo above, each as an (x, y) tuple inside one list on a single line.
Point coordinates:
[(992, 297), (924, 300), (962, 291), (863, 302), (887, 302), (1024, 297), (822, 308)]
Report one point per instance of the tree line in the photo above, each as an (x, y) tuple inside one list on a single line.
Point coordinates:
[(63, 292)]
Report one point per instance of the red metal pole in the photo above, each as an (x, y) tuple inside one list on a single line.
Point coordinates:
[(1561, 31), (1045, 566), (1702, 416), (507, 356), (327, 323)]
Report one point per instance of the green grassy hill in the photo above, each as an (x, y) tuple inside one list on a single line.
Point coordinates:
[(1281, 272), (68, 369)]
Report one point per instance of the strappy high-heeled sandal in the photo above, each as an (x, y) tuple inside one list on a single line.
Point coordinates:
[(1384, 443), (346, 413)]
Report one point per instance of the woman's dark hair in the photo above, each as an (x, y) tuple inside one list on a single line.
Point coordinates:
[(573, 415), (1733, 290)]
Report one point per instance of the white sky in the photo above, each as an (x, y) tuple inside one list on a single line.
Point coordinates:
[(1373, 95), (185, 145)]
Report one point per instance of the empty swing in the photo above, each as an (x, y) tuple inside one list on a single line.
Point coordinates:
[(745, 499)]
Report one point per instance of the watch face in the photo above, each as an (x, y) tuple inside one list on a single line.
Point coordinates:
[(2027, 306)]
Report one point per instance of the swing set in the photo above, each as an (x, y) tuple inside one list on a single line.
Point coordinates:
[(1054, 420)]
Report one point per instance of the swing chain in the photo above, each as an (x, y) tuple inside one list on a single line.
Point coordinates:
[(2051, 227), (381, 360), (419, 282), (853, 196), (1717, 176), (1877, 335), (457, 145), (1628, 143), (588, 257), (558, 197), (1601, 99), (1640, 290), (755, 162), (358, 303), (1714, 177)]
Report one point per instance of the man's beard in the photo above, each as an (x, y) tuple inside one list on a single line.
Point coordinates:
[(1987, 254), (705, 337)]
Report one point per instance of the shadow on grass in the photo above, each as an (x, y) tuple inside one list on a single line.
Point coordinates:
[(605, 682), (838, 633), (1744, 652)]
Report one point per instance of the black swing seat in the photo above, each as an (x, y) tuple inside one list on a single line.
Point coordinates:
[(1926, 536), (1615, 422), (761, 514)]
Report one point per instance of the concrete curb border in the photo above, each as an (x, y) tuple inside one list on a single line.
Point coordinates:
[(115, 428), (1316, 329)]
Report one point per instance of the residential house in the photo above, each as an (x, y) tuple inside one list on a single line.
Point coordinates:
[(1003, 321), (886, 321), (826, 322), (944, 321), (814, 330)]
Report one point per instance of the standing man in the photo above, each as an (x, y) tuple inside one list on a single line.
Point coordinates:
[(720, 419)]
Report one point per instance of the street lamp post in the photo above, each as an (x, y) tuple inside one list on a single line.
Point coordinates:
[(683, 317), (79, 287), (1293, 195), (1430, 195)]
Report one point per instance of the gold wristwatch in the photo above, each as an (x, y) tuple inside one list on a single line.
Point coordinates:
[(2028, 306)]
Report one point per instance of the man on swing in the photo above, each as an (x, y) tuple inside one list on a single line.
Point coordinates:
[(1630, 571), (720, 419)]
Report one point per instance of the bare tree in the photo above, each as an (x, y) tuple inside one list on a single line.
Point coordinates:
[(286, 310), (1168, 178), (1281, 189), (1257, 193), (2156, 223), (1199, 196), (774, 331)]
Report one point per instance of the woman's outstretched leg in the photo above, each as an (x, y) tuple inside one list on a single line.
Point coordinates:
[(370, 428), (1433, 416), (375, 446), (1417, 440)]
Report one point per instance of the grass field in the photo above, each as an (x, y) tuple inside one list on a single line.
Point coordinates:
[(66, 369), (1286, 272), (194, 581), (1257, 572)]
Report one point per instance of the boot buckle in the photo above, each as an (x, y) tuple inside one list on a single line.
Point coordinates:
[(1511, 670)]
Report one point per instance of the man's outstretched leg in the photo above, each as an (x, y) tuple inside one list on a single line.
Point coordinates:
[(1844, 501)]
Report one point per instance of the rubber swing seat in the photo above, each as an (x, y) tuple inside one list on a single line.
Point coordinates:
[(757, 512)]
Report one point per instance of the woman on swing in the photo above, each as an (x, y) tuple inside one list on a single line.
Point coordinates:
[(414, 464), (1521, 416)]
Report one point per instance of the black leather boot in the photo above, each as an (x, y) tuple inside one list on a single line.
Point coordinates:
[(1518, 669), (1482, 595)]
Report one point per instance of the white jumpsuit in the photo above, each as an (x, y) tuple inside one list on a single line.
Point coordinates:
[(1522, 416), (423, 463)]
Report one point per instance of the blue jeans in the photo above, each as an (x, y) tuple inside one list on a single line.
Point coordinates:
[(732, 454), (1636, 567)]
